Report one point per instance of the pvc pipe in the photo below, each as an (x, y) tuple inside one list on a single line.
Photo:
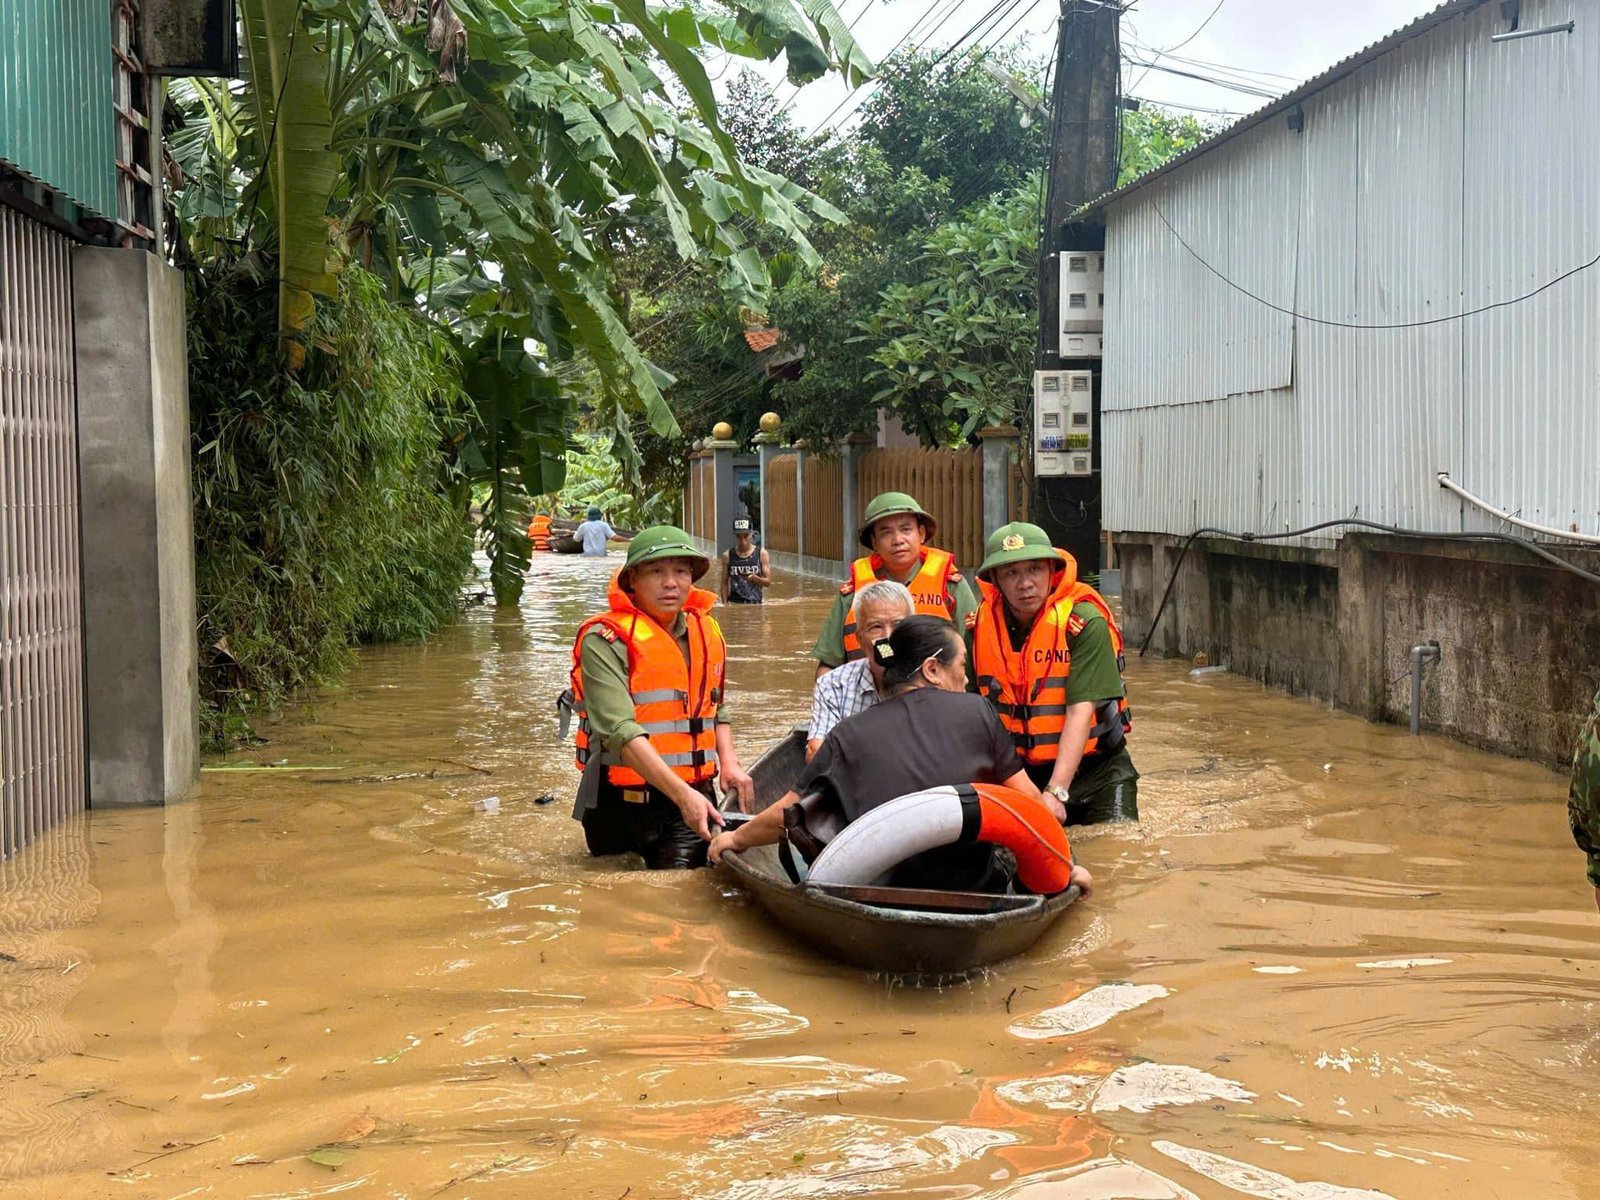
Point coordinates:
[(1425, 653), (1445, 481), (1519, 34)]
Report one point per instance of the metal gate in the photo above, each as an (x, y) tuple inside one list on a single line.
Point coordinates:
[(42, 764)]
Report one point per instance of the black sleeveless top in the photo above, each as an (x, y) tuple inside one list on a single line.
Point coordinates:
[(740, 589)]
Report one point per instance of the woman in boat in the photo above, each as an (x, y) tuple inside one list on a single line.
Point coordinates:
[(927, 732)]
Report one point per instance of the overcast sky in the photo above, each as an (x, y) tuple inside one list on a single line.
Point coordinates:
[(1273, 44)]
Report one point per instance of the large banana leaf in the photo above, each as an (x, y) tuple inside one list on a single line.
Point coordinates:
[(288, 87)]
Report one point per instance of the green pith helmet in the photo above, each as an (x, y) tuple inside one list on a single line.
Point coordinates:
[(1016, 542), (892, 504), (663, 541)]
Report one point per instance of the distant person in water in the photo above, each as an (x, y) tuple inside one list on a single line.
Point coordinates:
[(746, 573), (593, 534)]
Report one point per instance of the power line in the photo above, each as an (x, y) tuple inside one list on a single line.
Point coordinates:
[(1231, 85), (1199, 30), (1298, 316)]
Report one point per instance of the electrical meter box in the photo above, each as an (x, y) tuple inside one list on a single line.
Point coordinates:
[(1083, 300), (1063, 423)]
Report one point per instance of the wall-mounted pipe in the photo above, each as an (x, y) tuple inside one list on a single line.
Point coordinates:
[(1445, 481), (1518, 34), (1427, 652)]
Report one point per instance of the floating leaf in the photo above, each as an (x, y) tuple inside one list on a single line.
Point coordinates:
[(327, 1156)]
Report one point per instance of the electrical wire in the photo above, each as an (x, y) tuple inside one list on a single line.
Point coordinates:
[(1230, 85), (1447, 535), (1198, 31), (1298, 316)]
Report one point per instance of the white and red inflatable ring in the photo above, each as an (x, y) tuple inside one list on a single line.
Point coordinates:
[(878, 841)]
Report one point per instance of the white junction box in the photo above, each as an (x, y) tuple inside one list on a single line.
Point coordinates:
[(1063, 423), (1083, 301)]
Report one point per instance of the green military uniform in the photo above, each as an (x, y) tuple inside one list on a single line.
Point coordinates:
[(605, 687), (616, 819), (829, 648), (1583, 800), (1105, 785)]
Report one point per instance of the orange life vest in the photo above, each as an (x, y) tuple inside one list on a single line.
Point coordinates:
[(932, 590), (1029, 687), (674, 699)]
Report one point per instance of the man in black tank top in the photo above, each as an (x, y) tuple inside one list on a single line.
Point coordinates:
[(745, 571)]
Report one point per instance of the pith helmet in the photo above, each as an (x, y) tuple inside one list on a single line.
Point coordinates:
[(1016, 542), (663, 541), (893, 504), (594, 514)]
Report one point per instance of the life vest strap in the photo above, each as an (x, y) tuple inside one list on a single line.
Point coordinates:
[(1027, 712)]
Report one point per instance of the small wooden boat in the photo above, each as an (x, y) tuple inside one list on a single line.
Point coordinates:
[(904, 931)]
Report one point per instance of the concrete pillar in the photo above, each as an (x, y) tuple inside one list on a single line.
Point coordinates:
[(800, 497), (855, 446), (724, 492), (767, 450), (141, 657), (999, 457)]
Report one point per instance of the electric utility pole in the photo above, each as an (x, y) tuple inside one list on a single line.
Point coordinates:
[(1085, 121)]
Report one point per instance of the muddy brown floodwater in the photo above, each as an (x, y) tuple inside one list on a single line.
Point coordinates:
[(1334, 962)]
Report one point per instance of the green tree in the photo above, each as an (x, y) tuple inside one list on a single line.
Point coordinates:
[(952, 349)]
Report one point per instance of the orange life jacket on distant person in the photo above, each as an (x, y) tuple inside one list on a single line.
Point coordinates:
[(1029, 687), (674, 699), (932, 590)]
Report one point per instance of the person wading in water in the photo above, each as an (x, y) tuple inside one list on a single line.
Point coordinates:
[(648, 677), (897, 531), (1048, 654), (745, 570)]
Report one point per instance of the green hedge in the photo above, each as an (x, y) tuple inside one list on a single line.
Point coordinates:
[(324, 513)]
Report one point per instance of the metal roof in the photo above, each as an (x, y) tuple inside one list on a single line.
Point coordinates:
[(1341, 69)]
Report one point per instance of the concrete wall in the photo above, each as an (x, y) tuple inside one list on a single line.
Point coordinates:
[(138, 534), (1519, 640)]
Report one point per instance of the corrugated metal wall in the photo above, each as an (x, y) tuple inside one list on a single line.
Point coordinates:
[(56, 113), (42, 766), (1454, 172)]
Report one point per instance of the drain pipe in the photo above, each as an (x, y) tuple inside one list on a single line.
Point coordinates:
[(1427, 652)]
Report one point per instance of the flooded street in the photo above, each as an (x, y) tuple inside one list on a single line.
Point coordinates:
[(1335, 961)]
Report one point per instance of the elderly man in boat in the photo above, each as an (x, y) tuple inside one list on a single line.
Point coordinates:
[(858, 685), (926, 733)]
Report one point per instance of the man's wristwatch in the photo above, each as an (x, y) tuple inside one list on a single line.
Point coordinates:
[(1059, 792)]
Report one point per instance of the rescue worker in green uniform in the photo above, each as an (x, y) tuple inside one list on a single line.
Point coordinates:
[(647, 684), (1583, 800), (896, 530), (1046, 651)]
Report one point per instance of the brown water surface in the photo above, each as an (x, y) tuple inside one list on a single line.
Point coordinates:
[(1335, 961)]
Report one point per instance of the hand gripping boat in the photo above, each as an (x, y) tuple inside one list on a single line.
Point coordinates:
[(841, 910)]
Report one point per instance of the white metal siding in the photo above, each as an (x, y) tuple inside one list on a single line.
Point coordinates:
[(1451, 173)]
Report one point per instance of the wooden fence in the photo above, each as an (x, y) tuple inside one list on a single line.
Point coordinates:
[(824, 492), (947, 483), (699, 499), (783, 530)]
